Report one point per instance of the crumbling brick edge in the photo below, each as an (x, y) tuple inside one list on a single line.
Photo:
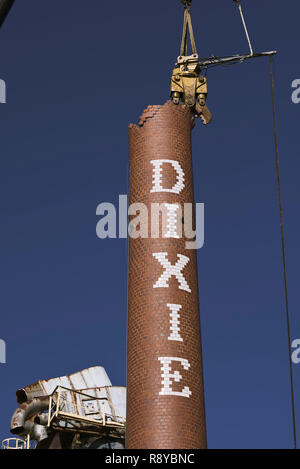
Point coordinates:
[(153, 110)]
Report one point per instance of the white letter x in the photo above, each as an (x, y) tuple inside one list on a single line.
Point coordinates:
[(170, 270)]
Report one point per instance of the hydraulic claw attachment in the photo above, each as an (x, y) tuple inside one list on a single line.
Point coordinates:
[(190, 87)]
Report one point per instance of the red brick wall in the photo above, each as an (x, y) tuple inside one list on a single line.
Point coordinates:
[(154, 420)]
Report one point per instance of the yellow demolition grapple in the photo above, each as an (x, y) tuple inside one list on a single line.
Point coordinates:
[(187, 84)]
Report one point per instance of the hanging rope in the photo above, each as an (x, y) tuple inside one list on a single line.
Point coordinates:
[(283, 254)]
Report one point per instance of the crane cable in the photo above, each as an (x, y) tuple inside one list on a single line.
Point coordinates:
[(238, 2), (283, 253), (187, 25)]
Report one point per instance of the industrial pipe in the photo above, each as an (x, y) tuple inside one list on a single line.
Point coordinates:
[(25, 411), (36, 431), (41, 419), (21, 396)]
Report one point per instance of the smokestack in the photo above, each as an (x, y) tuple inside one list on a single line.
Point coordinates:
[(165, 394)]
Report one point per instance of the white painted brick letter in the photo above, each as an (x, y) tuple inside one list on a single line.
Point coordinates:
[(157, 176), (173, 211), (175, 322), (171, 270), (168, 376)]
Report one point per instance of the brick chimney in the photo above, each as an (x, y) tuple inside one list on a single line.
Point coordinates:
[(165, 394)]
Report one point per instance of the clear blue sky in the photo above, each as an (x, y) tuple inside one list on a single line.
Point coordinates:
[(77, 74)]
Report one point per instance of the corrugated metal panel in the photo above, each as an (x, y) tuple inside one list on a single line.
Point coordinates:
[(118, 398), (94, 377)]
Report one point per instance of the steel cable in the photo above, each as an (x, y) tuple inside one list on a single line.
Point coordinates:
[(283, 254)]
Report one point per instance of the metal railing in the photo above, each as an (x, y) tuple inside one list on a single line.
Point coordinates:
[(16, 443), (70, 405)]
